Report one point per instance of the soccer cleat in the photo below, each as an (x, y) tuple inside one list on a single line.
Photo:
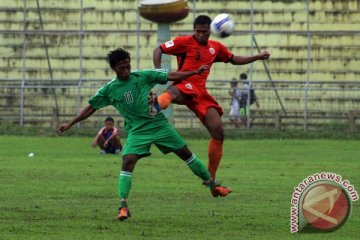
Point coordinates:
[(220, 191), (124, 213)]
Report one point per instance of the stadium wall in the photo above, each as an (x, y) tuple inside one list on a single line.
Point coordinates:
[(53, 58)]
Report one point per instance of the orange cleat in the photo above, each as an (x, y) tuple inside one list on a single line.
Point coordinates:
[(220, 191), (124, 213)]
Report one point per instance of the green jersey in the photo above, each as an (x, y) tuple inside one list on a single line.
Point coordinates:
[(130, 98)]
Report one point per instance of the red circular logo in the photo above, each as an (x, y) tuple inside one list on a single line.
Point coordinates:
[(326, 206)]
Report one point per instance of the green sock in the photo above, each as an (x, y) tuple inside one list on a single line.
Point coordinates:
[(124, 186), (198, 168)]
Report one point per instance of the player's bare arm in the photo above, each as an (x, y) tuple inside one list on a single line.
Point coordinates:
[(241, 60), (177, 76), (157, 53), (85, 113)]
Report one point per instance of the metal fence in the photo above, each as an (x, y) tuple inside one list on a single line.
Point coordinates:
[(289, 105), (283, 104)]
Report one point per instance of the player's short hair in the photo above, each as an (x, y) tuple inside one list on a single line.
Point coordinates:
[(243, 76), (202, 20), (109, 119), (116, 56)]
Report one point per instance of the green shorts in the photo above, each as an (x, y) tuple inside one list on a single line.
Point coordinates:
[(244, 111), (165, 138)]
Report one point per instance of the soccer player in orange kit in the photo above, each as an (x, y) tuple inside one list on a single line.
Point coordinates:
[(191, 52)]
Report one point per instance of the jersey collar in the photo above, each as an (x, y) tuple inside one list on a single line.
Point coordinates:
[(207, 43)]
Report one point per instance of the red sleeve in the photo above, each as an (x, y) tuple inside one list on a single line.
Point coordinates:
[(116, 131), (174, 46), (101, 131), (224, 55)]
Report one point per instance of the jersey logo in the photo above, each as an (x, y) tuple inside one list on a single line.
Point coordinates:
[(128, 97), (169, 44), (212, 50), (188, 85)]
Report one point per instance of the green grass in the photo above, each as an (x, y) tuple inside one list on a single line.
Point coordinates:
[(69, 191)]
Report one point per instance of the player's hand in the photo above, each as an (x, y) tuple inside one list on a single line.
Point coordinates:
[(63, 127), (202, 68), (264, 55)]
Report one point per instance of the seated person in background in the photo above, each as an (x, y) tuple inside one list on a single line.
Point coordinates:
[(108, 138)]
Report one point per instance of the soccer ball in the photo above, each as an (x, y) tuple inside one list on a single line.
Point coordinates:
[(222, 25)]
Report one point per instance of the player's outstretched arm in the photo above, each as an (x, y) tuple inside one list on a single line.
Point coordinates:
[(85, 113), (177, 76), (157, 53), (241, 60)]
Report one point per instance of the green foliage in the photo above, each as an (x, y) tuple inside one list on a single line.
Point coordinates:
[(69, 191)]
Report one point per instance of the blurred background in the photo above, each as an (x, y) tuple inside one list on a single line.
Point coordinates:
[(54, 58)]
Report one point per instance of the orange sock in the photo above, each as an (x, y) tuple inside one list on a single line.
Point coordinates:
[(165, 100), (215, 152)]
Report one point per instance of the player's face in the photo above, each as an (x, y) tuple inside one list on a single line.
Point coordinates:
[(109, 125), (123, 69), (202, 33)]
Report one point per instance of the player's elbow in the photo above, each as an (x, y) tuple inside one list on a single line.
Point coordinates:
[(157, 57), (157, 49), (172, 76), (236, 60)]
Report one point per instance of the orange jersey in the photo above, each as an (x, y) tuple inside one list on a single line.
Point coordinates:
[(191, 55)]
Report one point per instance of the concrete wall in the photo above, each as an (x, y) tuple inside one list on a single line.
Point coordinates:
[(279, 26)]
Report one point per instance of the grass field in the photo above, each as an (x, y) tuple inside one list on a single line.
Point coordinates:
[(69, 191)]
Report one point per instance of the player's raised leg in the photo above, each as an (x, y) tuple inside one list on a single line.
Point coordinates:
[(171, 95)]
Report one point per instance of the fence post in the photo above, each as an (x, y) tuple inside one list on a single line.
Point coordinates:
[(351, 118), (55, 117), (278, 120)]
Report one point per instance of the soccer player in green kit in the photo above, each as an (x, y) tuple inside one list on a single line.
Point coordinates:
[(128, 92)]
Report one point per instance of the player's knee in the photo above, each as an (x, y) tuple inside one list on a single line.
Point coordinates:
[(217, 133), (174, 92), (115, 140), (184, 153), (219, 136), (129, 162)]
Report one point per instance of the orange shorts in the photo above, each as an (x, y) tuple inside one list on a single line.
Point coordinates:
[(200, 100)]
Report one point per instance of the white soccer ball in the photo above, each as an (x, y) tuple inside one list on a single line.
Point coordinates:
[(222, 25)]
